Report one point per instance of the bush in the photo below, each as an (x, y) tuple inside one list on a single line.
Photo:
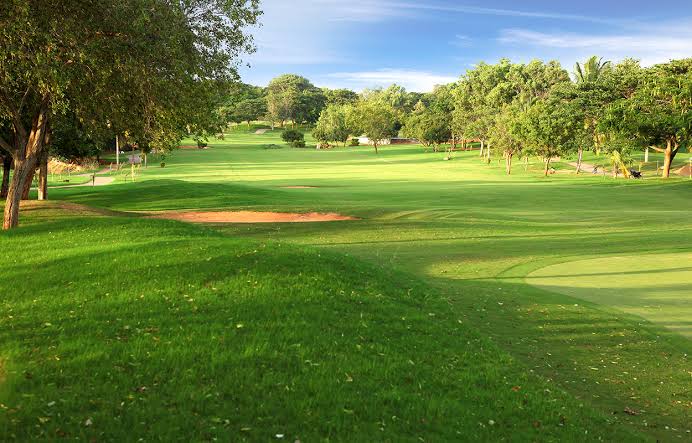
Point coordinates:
[(292, 135), (298, 143), (201, 144), (354, 142)]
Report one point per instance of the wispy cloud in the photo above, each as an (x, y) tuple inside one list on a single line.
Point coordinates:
[(650, 48), (419, 81), (462, 41), (379, 10)]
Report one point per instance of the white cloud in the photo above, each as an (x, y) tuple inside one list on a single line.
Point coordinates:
[(652, 47), (412, 80)]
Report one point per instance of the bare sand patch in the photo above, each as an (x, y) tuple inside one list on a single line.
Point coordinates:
[(261, 131), (252, 217), (685, 171)]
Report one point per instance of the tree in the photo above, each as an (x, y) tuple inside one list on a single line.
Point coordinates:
[(593, 93), (506, 134), (244, 103), (429, 125), (591, 71), (339, 96), (292, 97), (332, 125), (657, 111), (373, 118), (143, 66), (550, 128)]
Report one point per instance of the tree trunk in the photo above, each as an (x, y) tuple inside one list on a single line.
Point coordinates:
[(375, 145), (487, 155), (508, 163), (670, 152), (547, 165), (6, 165), (23, 170), (482, 148), (580, 154), (526, 163), (646, 155), (26, 152), (43, 176), (29, 181)]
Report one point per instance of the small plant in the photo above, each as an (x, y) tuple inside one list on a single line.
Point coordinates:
[(201, 144), (292, 135), (163, 164), (298, 143), (354, 142)]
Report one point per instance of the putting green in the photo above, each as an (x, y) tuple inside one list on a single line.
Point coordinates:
[(657, 287)]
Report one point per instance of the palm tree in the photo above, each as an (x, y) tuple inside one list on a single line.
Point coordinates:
[(591, 70)]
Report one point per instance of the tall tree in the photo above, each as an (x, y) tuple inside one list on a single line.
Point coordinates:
[(332, 125), (292, 97), (550, 128), (506, 134), (373, 118), (592, 70), (142, 66)]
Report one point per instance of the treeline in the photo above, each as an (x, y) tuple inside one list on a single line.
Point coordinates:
[(512, 109)]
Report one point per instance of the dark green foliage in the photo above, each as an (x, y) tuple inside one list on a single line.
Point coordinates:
[(292, 135)]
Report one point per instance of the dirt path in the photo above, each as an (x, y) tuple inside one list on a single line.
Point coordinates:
[(98, 181), (261, 131)]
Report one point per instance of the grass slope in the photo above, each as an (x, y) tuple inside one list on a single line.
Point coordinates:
[(173, 332)]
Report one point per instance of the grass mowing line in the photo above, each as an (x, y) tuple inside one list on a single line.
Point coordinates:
[(656, 287)]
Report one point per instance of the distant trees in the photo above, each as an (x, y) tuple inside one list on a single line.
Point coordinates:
[(292, 97), (332, 125), (244, 103), (339, 97), (429, 125), (374, 118), (657, 110)]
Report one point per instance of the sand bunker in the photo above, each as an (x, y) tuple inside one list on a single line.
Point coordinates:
[(253, 217), (685, 171), (261, 131)]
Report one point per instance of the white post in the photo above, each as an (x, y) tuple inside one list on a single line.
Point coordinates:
[(646, 155), (117, 152)]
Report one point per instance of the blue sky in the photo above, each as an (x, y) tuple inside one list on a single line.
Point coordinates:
[(420, 43)]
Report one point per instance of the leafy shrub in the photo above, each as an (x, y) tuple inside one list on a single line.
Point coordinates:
[(292, 135), (354, 142), (298, 143), (201, 144)]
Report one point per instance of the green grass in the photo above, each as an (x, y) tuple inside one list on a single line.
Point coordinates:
[(437, 326), (653, 286)]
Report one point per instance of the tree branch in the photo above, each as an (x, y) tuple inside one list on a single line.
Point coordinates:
[(6, 146)]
